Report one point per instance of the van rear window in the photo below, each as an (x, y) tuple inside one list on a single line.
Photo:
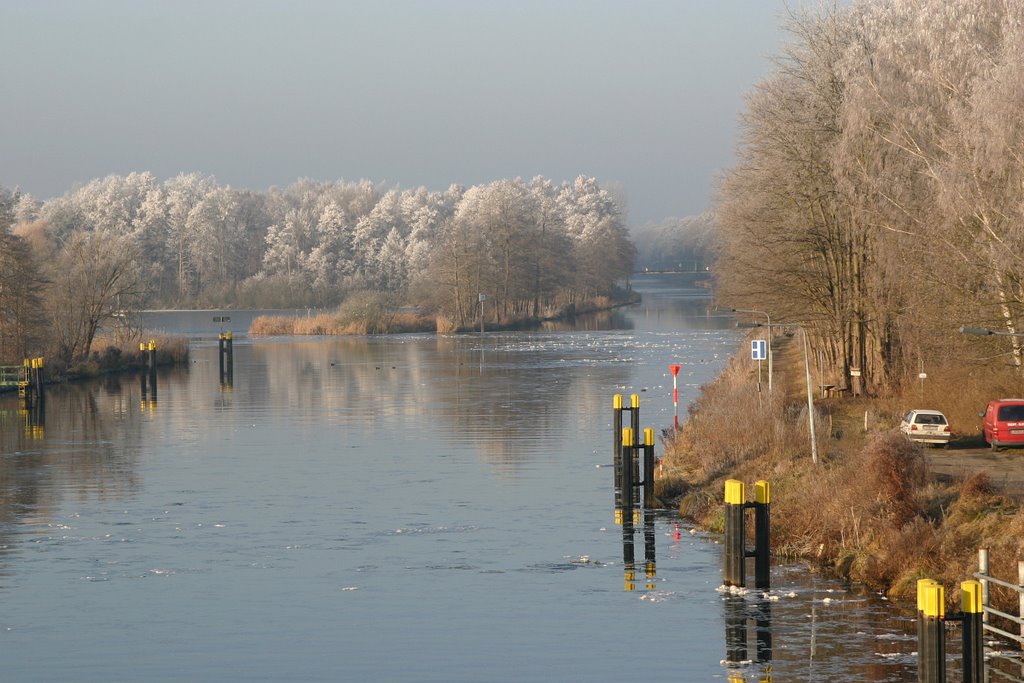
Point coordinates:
[(1011, 413)]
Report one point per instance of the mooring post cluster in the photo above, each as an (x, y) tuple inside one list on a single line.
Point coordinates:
[(31, 387), (634, 487), (31, 393), (226, 358), (931, 631), (736, 553)]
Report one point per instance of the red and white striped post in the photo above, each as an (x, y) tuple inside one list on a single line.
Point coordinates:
[(675, 391)]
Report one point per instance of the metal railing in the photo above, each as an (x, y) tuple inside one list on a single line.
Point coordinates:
[(12, 375), (987, 582)]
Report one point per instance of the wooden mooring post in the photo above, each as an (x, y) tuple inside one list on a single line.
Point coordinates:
[(226, 358), (30, 380), (735, 554), (994, 621), (147, 381), (931, 631)]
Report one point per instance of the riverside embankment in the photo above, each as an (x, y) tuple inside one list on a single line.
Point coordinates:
[(875, 509)]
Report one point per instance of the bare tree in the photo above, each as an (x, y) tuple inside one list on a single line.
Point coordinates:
[(94, 277)]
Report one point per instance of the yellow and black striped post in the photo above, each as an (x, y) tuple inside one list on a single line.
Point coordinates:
[(27, 382), (231, 355), (634, 457), (37, 367), (226, 357), (762, 535), (734, 557), (973, 632), (617, 453), (220, 356), (648, 449), (628, 436), (151, 348), (931, 641), (628, 556)]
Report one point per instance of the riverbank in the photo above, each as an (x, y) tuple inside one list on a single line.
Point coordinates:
[(111, 357), (871, 510)]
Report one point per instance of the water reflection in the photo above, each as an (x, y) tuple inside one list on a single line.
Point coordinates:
[(527, 389), (629, 553), (83, 441), (342, 493), (748, 637)]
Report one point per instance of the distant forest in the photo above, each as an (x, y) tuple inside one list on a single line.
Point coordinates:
[(128, 242), (676, 244)]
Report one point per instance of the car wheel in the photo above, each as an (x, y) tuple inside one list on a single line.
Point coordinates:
[(995, 448)]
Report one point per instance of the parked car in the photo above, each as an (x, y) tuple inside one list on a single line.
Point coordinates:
[(926, 426), (1003, 423)]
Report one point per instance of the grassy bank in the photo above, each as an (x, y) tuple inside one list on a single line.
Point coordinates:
[(118, 356), (869, 511), (371, 315)]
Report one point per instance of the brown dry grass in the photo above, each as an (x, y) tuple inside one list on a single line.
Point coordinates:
[(110, 354), (339, 324), (869, 511)]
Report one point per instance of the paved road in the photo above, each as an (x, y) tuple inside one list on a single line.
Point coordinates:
[(1005, 467)]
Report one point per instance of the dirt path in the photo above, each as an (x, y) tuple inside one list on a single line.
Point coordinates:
[(1005, 467), (962, 458)]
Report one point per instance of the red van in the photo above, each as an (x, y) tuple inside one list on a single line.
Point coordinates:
[(1003, 423)]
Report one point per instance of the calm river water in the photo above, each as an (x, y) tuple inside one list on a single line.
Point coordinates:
[(404, 508)]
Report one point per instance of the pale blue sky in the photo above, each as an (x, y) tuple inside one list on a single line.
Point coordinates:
[(642, 94)]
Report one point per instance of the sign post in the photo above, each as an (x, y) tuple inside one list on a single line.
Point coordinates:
[(675, 391), (758, 352)]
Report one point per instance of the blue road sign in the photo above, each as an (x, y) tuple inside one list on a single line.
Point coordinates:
[(758, 349)]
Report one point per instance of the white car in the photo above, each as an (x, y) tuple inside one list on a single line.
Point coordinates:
[(926, 426)]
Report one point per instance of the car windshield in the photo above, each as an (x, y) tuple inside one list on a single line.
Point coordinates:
[(932, 419), (1011, 413)]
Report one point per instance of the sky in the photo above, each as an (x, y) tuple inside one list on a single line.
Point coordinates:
[(644, 95)]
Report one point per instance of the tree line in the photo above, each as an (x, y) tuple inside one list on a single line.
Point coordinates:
[(878, 193), (69, 264)]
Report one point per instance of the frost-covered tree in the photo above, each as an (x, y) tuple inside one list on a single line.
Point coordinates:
[(602, 250)]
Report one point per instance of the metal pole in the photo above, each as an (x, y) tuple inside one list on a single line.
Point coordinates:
[(1020, 595), (769, 319)]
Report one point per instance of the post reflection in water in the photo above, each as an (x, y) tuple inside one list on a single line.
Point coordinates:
[(629, 553), (748, 631), (33, 418), (148, 389)]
